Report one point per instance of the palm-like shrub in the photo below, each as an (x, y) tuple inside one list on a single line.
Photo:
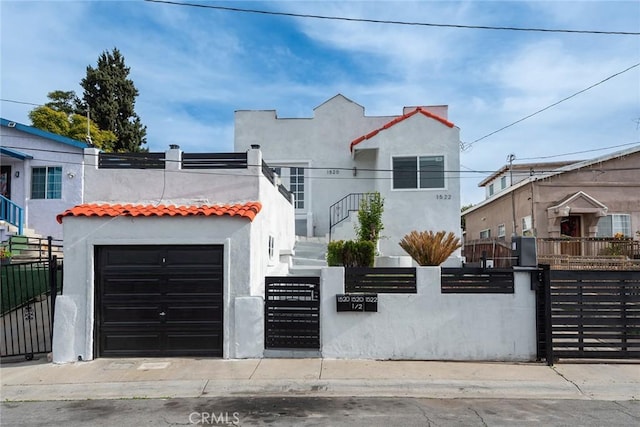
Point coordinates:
[(429, 248)]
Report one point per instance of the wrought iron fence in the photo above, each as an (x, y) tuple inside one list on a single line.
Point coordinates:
[(27, 306)]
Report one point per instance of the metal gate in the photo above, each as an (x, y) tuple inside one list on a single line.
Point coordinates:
[(589, 314), (292, 313), (27, 306)]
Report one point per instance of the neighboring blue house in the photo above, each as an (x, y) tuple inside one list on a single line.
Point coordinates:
[(41, 175)]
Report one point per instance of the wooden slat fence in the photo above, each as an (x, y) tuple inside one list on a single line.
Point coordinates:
[(595, 314), (380, 280), (476, 281)]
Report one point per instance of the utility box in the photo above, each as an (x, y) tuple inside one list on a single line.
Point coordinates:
[(524, 250)]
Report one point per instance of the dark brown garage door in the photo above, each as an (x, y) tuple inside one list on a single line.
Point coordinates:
[(159, 301)]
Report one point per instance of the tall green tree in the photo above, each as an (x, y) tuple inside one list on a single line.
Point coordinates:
[(111, 95), (65, 101)]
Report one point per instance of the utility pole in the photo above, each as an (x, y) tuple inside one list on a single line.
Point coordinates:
[(511, 158)]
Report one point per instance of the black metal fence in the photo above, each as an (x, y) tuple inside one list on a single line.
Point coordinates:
[(476, 281), (214, 160), (292, 313), (380, 280), (131, 160), (589, 314), (27, 306)]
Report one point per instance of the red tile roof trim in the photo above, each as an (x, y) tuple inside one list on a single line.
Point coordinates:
[(398, 120), (245, 210)]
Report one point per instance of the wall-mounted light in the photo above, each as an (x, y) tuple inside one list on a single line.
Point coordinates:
[(17, 174), (71, 175), (255, 146)]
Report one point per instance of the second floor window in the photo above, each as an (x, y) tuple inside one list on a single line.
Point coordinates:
[(46, 182), (610, 225), (296, 181), (418, 172)]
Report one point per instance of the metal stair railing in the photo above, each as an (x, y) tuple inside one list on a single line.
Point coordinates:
[(341, 209), (12, 213)]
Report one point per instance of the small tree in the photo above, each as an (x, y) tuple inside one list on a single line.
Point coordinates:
[(72, 126), (370, 218), (429, 248)]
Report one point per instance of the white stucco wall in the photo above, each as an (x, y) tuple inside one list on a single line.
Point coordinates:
[(406, 210), (322, 144), (430, 325), (40, 214), (83, 234), (246, 243)]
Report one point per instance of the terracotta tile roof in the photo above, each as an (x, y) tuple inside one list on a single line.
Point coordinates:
[(398, 120), (245, 210)]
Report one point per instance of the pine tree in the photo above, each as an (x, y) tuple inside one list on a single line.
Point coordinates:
[(111, 96)]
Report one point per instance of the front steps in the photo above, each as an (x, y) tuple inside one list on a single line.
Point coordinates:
[(309, 256)]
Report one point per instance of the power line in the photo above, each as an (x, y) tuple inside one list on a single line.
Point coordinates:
[(348, 169), (580, 152), (19, 102), (382, 21), (467, 146)]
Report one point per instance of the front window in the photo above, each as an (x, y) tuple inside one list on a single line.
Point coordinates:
[(485, 234), (610, 225), (501, 230), (296, 181), (490, 189), (46, 182), (418, 172), (503, 182)]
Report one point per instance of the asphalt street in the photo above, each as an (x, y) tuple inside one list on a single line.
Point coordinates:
[(317, 411)]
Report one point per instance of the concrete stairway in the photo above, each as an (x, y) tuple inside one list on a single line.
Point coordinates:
[(309, 256)]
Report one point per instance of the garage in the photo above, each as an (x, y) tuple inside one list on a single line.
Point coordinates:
[(159, 300)]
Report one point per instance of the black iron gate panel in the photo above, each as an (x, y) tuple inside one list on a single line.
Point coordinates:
[(592, 314), (27, 306), (292, 313)]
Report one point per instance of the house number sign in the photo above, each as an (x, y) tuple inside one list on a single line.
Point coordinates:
[(357, 302)]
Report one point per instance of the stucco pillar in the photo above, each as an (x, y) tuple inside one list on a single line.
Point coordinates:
[(91, 158), (173, 158), (254, 160)]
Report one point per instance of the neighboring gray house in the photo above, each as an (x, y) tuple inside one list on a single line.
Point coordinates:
[(599, 197), (41, 174), (327, 160)]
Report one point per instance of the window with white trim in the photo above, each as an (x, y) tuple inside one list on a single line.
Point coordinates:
[(501, 230), (610, 225), (296, 181), (503, 182), (418, 172), (491, 190), (485, 234), (46, 182)]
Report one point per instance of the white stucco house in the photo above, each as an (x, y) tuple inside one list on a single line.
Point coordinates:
[(167, 255), (41, 174), (329, 160)]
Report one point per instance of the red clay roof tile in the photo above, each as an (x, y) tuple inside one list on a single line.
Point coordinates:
[(245, 210), (398, 120)]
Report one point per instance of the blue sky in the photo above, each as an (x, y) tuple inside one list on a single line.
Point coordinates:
[(194, 67)]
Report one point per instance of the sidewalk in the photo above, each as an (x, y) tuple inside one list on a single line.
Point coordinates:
[(185, 377)]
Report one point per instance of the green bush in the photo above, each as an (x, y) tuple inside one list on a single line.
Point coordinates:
[(351, 253), (334, 253)]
